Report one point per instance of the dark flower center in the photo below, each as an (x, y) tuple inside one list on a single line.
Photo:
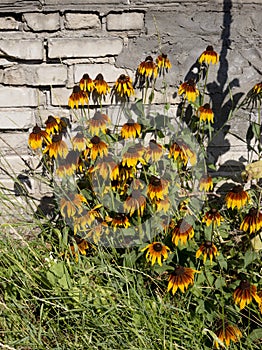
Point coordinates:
[(76, 89), (97, 116), (95, 140), (208, 244), (210, 48), (50, 119), (213, 211), (253, 211), (36, 130), (99, 77), (206, 106), (237, 189), (85, 76), (149, 58), (244, 285), (57, 138), (155, 181), (136, 194), (157, 247), (179, 271)]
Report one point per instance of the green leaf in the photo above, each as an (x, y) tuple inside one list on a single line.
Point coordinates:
[(255, 334), (220, 282), (249, 257), (256, 130), (222, 261), (58, 269)]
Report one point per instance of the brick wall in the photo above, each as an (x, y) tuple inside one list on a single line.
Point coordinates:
[(46, 46)]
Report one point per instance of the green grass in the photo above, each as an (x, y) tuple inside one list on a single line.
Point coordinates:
[(92, 304)]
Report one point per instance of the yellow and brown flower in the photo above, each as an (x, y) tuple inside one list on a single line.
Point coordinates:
[(157, 188), (213, 217), (206, 113), (97, 148), (72, 204), (57, 147), (237, 197), (182, 232), (120, 220), (189, 89), (180, 278), (208, 249), (156, 251), (226, 332), (163, 64), (181, 152), (77, 97), (79, 142), (68, 166), (209, 56), (206, 183), (98, 123), (136, 202), (131, 129), (133, 156), (245, 293), (154, 152), (101, 86), (86, 83), (252, 222), (123, 87), (38, 137), (148, 68)]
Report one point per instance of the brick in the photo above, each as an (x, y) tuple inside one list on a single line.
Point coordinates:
[(76, 21), (39, 22), (125, 21), (36, 75), (11, 143), (22, 49), (84, 47), (110, 72), (16, 119), (8, 23), (18, 97), (14, 164)]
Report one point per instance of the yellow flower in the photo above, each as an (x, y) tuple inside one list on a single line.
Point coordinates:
[(206, 113), (57, 147), (38, 137), (244, 294), (212, 217), (180, 278), (123, 87), (155, 252), (135, 202), (86, 83), (208, 249), (72, 204), (209, 56), (77, 97), (182, 231), (163, 64), (148, 68), (157, 188), (252, 221), (130, 130), (189, 89), (237, 197), (101, 86), (98, 123), (97, 148), (226, 333), (206, 183)]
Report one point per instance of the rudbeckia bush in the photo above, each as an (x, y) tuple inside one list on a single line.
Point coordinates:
[(138, 199)]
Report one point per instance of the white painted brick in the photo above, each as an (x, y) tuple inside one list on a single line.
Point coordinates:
[(19, 97), (125, 21), (60, 96), (38, 22), (22, 49), (8, 23), (110, 72), (36, 75), (16, 119), (82, 21), (10, 143), (84, 47), (15, 164)]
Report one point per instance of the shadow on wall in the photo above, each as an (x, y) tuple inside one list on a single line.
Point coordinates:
[(223, 102)]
